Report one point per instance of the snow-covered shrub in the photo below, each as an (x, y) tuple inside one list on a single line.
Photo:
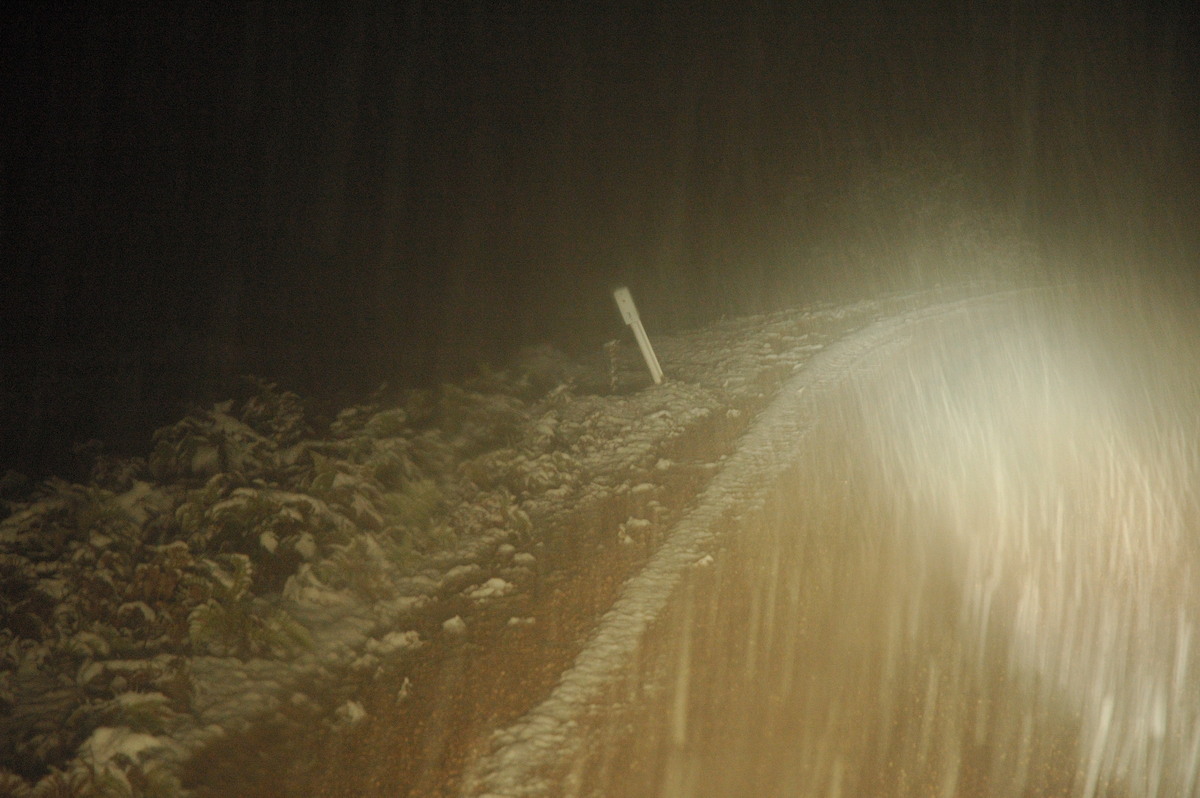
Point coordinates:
[(379, 440), (111, 472), (24, 608), (248, 437), (13, 785), (147, 713), (127, 603), (413, 506), (520, 472), (274, 414), (106, 588), (81, 783), (118, 474), (421, 406), (546, 429), (210, 442), (116, 772), (391, 423), (431, 453), (366, 567), (277, 528), (347, 486), (489, 470), (390, 462), (352, 421), (543, 369), (539, 460), (62, 512), (373, 420), (476, 422), (497, 509), (329, 492), (97, 515), (231, 623), (376, 452), (375, 480)]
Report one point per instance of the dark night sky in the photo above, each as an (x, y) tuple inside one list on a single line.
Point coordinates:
[(398, 191)]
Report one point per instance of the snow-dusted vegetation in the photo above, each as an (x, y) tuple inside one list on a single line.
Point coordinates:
[(110, 586), (172, 598)]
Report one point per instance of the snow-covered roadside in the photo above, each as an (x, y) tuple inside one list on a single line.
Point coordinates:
[(529, 755), (135, 721)]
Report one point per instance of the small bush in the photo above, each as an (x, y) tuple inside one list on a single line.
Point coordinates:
[(231, 624)]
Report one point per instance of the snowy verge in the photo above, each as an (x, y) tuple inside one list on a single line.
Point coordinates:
[(195, 646), (526, 757)]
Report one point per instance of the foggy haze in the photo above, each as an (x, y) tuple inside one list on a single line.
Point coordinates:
[(399, 193)]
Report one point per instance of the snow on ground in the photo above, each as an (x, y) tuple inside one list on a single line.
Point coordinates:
[(1043, 458), (110, 716), (538, 743)]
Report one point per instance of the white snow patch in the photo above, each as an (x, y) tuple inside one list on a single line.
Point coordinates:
[(142, 608), (461, 572), (107, 743), (393, 642), (350, 713), (390, 609), (306, 546), (491, 589), (304, 587), (302, 701), (88, 672), (55, 588), (367, 662), (141, 700)]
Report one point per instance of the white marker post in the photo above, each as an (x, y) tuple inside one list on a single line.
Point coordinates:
[(630, 314)]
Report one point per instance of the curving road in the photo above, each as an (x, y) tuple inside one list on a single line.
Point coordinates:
[(956, 557)]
